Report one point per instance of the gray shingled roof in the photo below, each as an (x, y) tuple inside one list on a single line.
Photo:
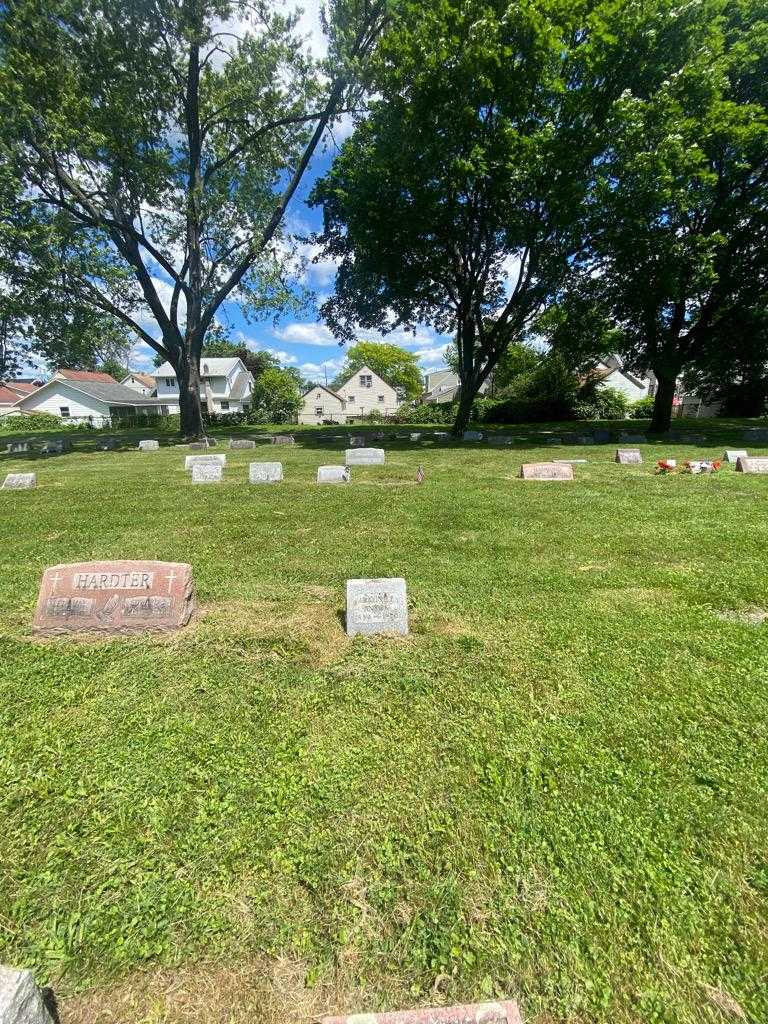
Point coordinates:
[(113, 394)]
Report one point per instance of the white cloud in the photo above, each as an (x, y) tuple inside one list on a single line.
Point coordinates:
[(306, 334), (319, 371), (431, 355)]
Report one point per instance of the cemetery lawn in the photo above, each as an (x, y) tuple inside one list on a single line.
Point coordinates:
[(555, 789)]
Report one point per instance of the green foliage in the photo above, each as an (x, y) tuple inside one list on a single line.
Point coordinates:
[(598, 403), (32, 421), (518, 360), (396, 366), (276, 395), (425, 412), (642, 409)]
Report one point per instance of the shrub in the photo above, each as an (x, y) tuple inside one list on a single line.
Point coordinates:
[(425, 412), (642, 409), (33, 421), (602, 404)]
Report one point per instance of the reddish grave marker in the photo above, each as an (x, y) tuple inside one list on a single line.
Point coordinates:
[(546, 471), (114, 597), (472, 1013)]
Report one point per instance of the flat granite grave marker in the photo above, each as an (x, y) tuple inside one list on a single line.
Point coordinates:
[(238, 442), (19, 482), (504, 1012), (21, 1001), (17, 447), (149, 446), (500, 439), (283, 439), (628, 456), (601, 436), (734, 454), (546, 471), (107, 444), (114, 597), (207, 473), (197, 446), (473, 435), (357, 441), (265, 472), (190, 461), (364, 457), (752, 465), (333, 475), (377, 606), (56, 447)]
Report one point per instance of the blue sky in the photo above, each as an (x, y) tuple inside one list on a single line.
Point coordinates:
[(304, 341)]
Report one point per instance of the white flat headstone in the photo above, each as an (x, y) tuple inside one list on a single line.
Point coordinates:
[(333, 475), (207, 473), (20, 999), (752, 465), (17, 447), (377, 606), (416, 436), (734, 454), (364, 456), (19, 481), (628, 456), (238, 442), (265, 472), (569, 462), (546, 471), (190, 461), (149, 446), (473, 435)]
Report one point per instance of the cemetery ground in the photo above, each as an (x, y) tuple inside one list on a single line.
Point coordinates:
[(554, 789)]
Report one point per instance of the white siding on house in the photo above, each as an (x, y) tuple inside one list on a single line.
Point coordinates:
[(136, 385), (366, 392), (59, 396), (220, 380), (321, 404), (620, 382)]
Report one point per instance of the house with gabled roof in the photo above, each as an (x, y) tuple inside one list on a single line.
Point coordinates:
[(362, 393), (226, 385), (84, 396), (143, 383)]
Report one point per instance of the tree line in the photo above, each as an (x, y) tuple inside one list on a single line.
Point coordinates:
[(590, 173)]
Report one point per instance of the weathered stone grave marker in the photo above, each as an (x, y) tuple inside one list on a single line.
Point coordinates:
[(734, 454), (503, 1012), (757, 434), (357, 441), (149, 446), (207, 473), (19, 481), (473, 435), (415, 436), (21, 1001), (546, 471), (364, 457), (333, 475), (17, 447), (57, 446), (283, 439), (107, 444), (241, 442), (752, 465), (190, 461), (632, 438), (628, 456), (197, 446), (265, 472), (115, 597), (377, 606)]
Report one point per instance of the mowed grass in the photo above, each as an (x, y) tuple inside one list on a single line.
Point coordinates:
[(554, 789)]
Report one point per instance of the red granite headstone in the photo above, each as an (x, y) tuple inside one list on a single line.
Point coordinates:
[(115, 597), (546, 471), (506, 1012)]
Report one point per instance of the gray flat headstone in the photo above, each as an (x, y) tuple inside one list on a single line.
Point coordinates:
[(207, 473), (357, 441), (197, 446), (364, 456), (19, 481), (107, 444), (17, 447), (21, 1001), (377, 606), (56, 447), (415, 436), (265, 472), (149, 446), (333, 475), (283, 439), (546, 471), (734, 454), (473, 435), (602, 436), (752, 465), (204, 460), (238, 442), (628, 456)]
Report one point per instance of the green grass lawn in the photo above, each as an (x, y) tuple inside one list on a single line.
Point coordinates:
[(554, 789)]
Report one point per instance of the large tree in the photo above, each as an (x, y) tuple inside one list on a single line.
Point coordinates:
[(458, 200), (679, 213), (398, 367), (169, 137)]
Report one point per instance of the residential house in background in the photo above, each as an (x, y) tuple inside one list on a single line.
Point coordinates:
[(361, 394), (442, 386), (80, 396), (143, 383), (610, 373), (12, 390), (226, 385)]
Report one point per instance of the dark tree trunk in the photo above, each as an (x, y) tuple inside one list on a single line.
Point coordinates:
[(661, 420), (190, 409), (467, 396)]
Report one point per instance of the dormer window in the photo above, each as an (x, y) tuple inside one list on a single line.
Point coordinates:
[(169, 382), (366, 380)]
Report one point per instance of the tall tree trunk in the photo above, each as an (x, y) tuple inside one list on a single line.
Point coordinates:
[(666, 380), (467, 396), (191, 413)]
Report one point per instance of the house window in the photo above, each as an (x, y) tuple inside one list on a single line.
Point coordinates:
[(64, 410), (381, 398), (318, 410), (170, 381), (224, 406), (351, 399), (366, 380)]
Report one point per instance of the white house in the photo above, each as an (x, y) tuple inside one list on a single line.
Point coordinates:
[(362, 393), (143, 383), (610, 374), (80, 396), (226, 385), (442, 386)]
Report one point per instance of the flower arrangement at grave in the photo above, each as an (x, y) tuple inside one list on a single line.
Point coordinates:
[(665, 467), (702, 466)]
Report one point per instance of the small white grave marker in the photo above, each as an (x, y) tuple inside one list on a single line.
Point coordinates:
[(207, 473), (752, 465), (628, 456), (190, 461), (19, 481), (265, 472), (377, 606), (734, 454), (333, 475), (546, 471), (364, 457), (149, 446)]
